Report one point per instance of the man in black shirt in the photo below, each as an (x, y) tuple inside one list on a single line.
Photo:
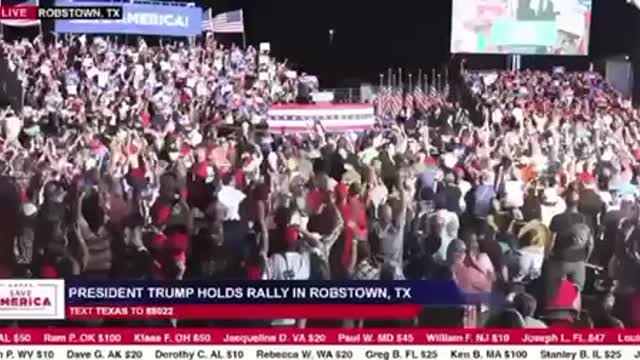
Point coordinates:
[(591, 205), (611, 223), (572, 242), (451, 194)]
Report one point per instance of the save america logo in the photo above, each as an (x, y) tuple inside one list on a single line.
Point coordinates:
[(31, 299)]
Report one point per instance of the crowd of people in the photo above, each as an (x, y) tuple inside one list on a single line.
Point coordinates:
[(151, 162)]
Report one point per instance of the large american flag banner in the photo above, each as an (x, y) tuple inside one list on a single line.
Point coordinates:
[(333, 117), (228, 22)]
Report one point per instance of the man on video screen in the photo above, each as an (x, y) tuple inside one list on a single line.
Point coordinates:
[(536, 10)]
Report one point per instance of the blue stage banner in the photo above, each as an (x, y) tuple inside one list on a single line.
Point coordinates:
[(137, 19), (266, 292)]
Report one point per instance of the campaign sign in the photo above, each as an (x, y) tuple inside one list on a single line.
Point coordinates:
[(138, 19), (26, 299)]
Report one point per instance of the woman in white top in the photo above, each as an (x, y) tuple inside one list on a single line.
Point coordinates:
[(525, 263)]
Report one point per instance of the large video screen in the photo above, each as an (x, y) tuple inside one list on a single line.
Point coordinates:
[(542, 27)]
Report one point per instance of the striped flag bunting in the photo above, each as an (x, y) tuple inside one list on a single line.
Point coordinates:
[(22, 22), (294, 118)]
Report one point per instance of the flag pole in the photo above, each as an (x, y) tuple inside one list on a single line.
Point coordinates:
[(389, 78), (446, 76), (1, 26), (419, 83), (426, 83), (211, 24), (244, 37), (433, 77), (40, 25)]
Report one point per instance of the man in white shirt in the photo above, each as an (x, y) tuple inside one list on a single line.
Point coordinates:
[(293, 264), (12, 126), (235, 231), (231, 198)]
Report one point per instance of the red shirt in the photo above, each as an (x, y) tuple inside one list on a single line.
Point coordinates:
[(347, 217), (172, 244), (565, 298), (359, 213)]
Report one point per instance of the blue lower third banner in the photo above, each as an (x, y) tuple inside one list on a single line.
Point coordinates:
[(260, 300), (137, 19)]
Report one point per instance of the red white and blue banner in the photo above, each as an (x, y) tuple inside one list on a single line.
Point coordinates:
[(332, 117)]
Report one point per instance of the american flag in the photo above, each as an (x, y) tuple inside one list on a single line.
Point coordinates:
[(206, 20), (408, 100), (382, 101), (434, 91), (420, 98), (228, 22), (395, 101), (447, 90), (22, 22)]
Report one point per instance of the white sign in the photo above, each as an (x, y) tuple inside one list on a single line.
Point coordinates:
[(322, 96), (264, 59), (291, 74), (32, 300)]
